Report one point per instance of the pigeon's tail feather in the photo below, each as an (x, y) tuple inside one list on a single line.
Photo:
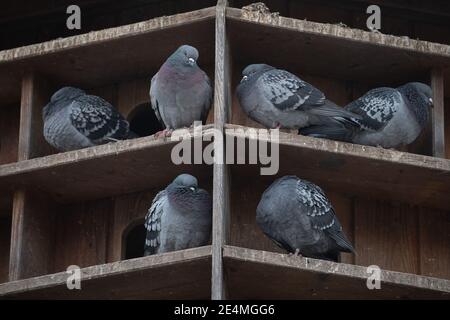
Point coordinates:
[(339, 133), (342, 242), (331, 111)]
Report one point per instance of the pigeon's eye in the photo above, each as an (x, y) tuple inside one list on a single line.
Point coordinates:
[(191, 61)]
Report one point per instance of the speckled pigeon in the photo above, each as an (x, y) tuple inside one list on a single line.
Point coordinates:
[(298, 217), (278, 99), (389, 117), (179, 217), (181, 92), (74, 120)]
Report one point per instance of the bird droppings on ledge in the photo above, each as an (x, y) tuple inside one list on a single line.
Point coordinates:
[(260, 12)]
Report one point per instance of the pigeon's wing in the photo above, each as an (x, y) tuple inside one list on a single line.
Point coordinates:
[(154, 101), (376, 108), (321, 213), (288, 92), (208, 100), (153, 223), (97, 119)]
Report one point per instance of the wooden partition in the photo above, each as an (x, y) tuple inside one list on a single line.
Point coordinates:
[(81, 207)]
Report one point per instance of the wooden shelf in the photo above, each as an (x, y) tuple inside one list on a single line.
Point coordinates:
[(254, 274), (382, 173), (81, 60), (332, 50), (182, 274), (101, 171)]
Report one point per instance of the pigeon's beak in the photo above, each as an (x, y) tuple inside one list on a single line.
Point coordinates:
[(244, 78), (191, 61), (192, 189), (431, 102)]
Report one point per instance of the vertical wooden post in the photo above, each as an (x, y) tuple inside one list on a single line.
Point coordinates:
[(437, 85), (221, 177), (30, 217)]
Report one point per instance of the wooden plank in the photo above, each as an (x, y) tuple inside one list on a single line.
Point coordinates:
[(35, 95), (437, 85), (434, 235), (375, 172), (98, 172), (77, 59), (182, 274), (9, 130), (220, 172), (253, 274), (81, 234), (5, 240), (447, 128), (386, 235), (32, 243)]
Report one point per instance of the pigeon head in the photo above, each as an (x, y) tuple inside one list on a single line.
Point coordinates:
[(253, 70), (420, 98), (185, 56), (185, 194), (186, 181), (59, 97)]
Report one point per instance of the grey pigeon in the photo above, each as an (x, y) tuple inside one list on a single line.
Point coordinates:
[(298, 217), (74, 120), (179, 217), (278, 99), (389, 117), (181, 92)]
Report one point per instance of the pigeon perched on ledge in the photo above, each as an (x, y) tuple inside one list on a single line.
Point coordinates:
[(278, 99), (74, 120), (179, 217), (299, 218), (389, 117), (181, 92)]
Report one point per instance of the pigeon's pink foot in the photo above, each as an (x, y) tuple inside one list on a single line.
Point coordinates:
[(296, 253), (163, 133)]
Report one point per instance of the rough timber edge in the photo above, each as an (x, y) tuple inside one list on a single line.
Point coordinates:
[(340, 32), (106, 35), (102, 151), (334, 268), (106, 270)]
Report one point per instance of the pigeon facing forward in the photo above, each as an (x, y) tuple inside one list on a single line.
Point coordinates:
[(179, 217), (181, 92), (278, 99), (74, 120), (389, 117), (299, 218)]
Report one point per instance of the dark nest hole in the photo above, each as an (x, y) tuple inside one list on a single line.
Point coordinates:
[(143, 121), (133, 241)]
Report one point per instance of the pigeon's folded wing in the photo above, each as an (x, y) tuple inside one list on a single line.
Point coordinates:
[(376, 108), (321, 213), (288, 92), (154, 101), (96, 119), (153, 223)]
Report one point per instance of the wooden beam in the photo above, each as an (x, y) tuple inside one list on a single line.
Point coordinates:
[(255, 274), (181, 274), (31, 236), (438, 116), (220, 176)]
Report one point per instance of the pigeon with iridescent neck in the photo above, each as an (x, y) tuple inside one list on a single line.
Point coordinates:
[(179, 217), (181, 92)]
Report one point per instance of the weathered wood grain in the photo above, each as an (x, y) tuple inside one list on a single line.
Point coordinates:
[(438, 116), (254, 274), (220, 231), (360, 170), (98, 172), (5, 241), (182, 274)]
